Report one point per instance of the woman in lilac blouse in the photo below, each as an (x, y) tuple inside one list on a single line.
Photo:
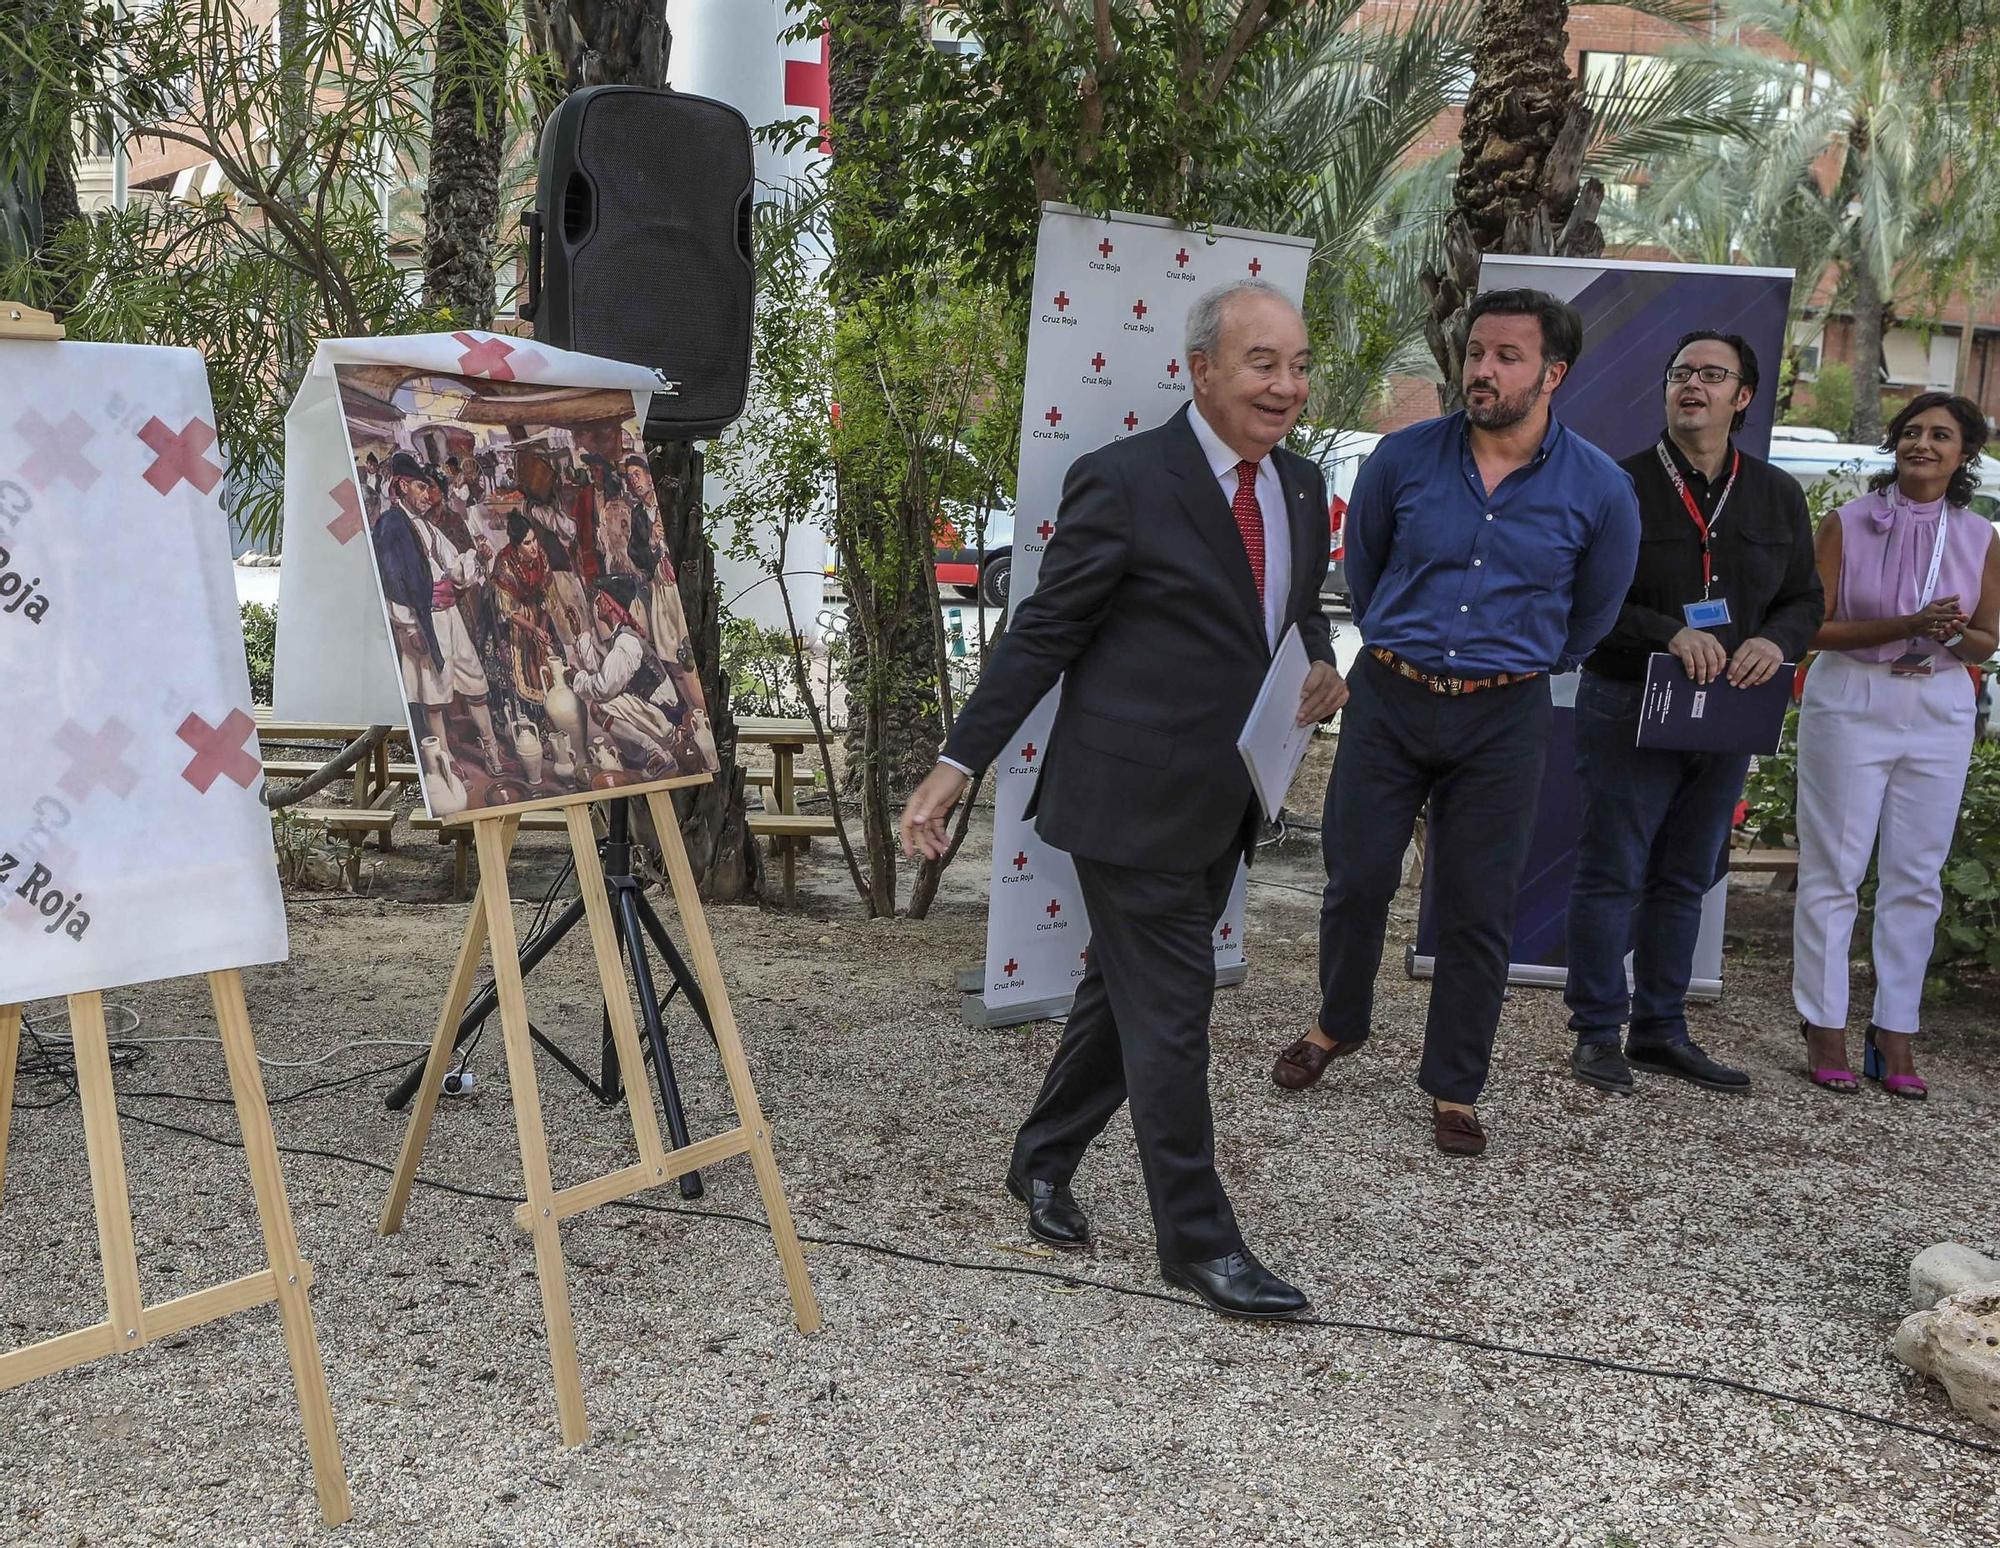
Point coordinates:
[(1912, 582)]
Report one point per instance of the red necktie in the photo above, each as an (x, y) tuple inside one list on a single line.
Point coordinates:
[(1250, 521)]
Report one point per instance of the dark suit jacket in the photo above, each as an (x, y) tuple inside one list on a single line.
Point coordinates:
[(1147, 611), (406, 573)]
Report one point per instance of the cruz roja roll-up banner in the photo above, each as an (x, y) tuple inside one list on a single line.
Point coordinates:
[(1633, 314), (1105, 359)]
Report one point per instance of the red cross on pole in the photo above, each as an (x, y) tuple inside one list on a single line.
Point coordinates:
[(1138, 308), (178, 455), (1097, 361), (1021, 861), (1043, 531), (96, 758), (1131, 420), (219, 750), (347, 524), (808, 84), (1256, 268), (1053, 416), (1053, 909), (1062, 300), (1106, 248), (1008, 967), (1227, 931), (56, 450), (1173, 368), (1028, 752), (1181, 257)]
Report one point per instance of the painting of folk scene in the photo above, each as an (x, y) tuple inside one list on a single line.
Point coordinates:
[(523, 565)]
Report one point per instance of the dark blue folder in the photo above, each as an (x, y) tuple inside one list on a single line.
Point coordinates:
[(1681, 714)]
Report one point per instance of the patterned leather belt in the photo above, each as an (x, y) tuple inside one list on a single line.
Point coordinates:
[(1449, 685)]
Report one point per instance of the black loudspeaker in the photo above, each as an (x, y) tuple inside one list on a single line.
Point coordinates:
[(640, 248)]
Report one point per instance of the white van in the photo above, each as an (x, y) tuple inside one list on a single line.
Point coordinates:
[(1813, 456)]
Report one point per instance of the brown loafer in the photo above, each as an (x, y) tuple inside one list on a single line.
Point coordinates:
[(1305, 1061), (1456, 1133)]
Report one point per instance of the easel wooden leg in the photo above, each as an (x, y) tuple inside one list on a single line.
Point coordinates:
[(490, 838), (10, 1052), (418, 1133), (281, 1245), (708, 969), (107, 1169)]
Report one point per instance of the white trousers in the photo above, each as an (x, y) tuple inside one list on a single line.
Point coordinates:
[(1880, 758)]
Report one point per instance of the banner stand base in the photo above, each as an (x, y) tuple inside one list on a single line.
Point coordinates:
[(973, 1010), (1536, 975)]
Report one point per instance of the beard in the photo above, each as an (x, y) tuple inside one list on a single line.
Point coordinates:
[(1503, 413)]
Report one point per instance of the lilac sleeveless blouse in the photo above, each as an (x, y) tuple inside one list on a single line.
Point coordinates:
[(1886, 543)]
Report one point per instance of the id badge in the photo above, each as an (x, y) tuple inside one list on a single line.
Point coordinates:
[(1709, 613), (1912, 663)]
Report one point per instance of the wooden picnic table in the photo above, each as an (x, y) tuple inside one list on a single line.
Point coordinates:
[(781, 821)]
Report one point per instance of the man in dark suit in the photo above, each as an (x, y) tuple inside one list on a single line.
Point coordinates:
[(1179, 559)]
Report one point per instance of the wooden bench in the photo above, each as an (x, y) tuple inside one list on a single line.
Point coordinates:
[(460, 834), (785, 826), (350, 824), (1770, 862), (767, 779), (300, 768)]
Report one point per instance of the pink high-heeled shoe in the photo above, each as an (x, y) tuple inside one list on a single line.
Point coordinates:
[(1910, 1088), (1829, 1077)]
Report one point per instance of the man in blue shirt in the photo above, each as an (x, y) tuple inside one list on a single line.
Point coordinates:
[(1485, 550)]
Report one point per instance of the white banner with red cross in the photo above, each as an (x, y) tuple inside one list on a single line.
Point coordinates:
[(133, 845), (335, 661), (1106, 359)]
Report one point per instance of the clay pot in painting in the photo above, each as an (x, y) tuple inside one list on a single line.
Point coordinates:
[(528, 748), (443, 789), (564, 708), (562, 757)]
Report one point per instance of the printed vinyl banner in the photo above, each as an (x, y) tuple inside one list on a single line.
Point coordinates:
[(1105, 360), (537, 621), (1633, 315), (133, 845)]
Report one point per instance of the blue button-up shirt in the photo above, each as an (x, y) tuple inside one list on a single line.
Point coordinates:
[(1468, 582)]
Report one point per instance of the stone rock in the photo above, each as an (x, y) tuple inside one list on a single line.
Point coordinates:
[(1950, 1269), (1958, 1345)]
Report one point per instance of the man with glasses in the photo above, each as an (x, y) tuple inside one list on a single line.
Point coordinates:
[(1726, 583)]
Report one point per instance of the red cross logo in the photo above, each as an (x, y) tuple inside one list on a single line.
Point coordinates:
[(57, 451), (348, 522), (1181, 257), (1054, 417), (1131, 420), (180, 456), (1227, 931), (1097, 361), (1043, 531), (485, 357), (1138, 308), (1053, 909), (1084, 956), (1028, 753), (96, 759), (808, 84), (219, 750), (1106, 248), (1009, 966), (1256, 268), (1021, 861), (1173, 368), (1062, 300)]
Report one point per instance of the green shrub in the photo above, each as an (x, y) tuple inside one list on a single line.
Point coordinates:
[(1832, 403), (260, 647)]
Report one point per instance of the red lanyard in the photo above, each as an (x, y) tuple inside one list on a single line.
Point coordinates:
[(1704, 527)]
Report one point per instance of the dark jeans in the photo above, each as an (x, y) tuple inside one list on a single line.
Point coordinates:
[(1654, 823), (1477, 759), (1138, 1031)]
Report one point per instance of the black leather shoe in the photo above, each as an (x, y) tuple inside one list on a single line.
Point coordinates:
[(1237, 1286), (1603, 1066), (1053, 1215), (1686, 1062)]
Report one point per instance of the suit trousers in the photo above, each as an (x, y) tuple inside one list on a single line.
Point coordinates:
[(1138, 1031), (1477, 759), (1882, 767)]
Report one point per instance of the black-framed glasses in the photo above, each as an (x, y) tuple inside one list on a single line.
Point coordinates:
[(1711, 376)]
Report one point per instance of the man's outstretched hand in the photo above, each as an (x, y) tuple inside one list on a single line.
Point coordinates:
[(927, 810), (1324, 692)]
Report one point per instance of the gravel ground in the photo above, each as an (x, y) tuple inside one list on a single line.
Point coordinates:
[(1763, 1238)]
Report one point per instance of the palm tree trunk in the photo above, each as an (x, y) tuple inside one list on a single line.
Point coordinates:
[(462, 196), (627, 43), (1520, 184), (1865, 427)]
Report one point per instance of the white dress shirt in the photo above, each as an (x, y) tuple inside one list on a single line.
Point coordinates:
[(1277, 520)]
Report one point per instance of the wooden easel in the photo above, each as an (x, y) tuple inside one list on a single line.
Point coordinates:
[(492, 921), (131, 1324)]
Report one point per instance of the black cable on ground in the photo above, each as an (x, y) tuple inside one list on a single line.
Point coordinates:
[(1379, 1329)]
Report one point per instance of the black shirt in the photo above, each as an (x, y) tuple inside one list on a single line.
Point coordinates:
[(1761, 551)]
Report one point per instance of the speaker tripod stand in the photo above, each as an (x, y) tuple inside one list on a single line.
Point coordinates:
[(636, 924)]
